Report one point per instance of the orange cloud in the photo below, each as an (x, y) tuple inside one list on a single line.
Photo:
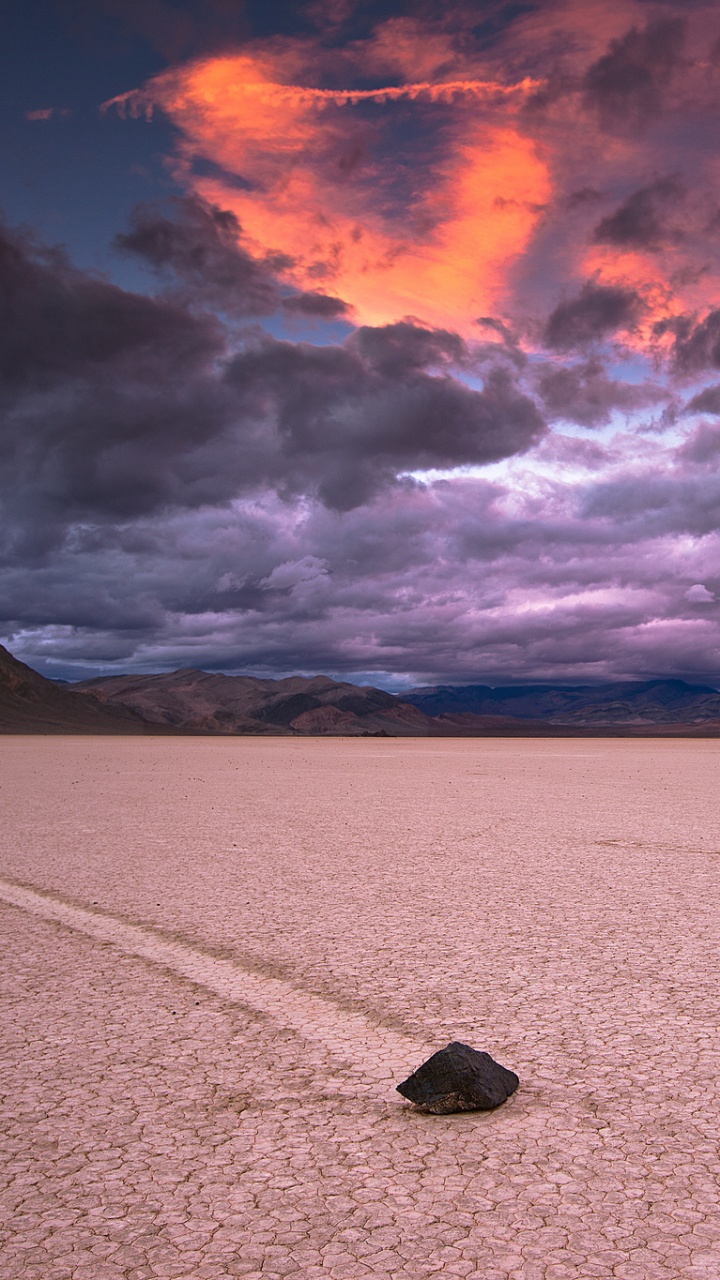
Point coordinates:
[(667, 284), (455, 190), (320, 190)]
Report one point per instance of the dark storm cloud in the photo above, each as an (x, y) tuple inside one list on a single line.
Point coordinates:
[(101, 393), (322, 306), (348, 419), (57, 322), (595, 312), (663, 504), (627, 84), (584, 393), (697, 346), (702, 446), (582, 199), (505, 348), (200, 246), (640, 221), (707, 401), (116, 405), (402, 348)]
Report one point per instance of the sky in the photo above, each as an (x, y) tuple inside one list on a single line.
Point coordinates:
[(374, 339)]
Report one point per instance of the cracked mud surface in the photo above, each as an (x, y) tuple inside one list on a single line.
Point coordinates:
[(220, 954)]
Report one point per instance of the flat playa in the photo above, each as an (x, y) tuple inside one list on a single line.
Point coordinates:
[(219, 956)]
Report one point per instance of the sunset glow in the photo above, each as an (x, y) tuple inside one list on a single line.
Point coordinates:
[(389, 343), (442, 258)]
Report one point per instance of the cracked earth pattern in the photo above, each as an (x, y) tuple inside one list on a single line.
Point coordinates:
[(220, 954)]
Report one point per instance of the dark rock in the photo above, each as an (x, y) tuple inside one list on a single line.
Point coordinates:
[(459, 1078)]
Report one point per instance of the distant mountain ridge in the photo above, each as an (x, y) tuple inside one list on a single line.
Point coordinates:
[(210, 703), (202, 702), (638, 702)]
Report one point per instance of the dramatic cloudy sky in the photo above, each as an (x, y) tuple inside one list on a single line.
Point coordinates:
[(373, 338)]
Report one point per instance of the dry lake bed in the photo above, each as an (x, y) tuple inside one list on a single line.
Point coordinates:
[(220, 955)]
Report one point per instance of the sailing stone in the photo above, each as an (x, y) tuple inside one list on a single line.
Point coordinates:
[(458, 1078)]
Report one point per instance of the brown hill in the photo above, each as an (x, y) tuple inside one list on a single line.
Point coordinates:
[(207, 703), (31, 704), (199, 702)]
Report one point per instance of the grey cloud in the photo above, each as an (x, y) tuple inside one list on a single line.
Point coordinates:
[(505, 348), (581, 199), (102, 392), (661, 505), (569, 450), (627, 84), (707, 401), (200, 245), (395, 350), (557, 85), (321, 305), (595, 312), (697, 346), (641, 221), (348, 419), (702, 446), (57, 323), (584, 393)]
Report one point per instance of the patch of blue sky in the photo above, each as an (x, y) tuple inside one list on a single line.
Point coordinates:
[(633, 369), (294, 327)]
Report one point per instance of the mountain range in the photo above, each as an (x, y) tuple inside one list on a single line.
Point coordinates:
[(31, 704), (208, 703), (629, 703), (201, 702)]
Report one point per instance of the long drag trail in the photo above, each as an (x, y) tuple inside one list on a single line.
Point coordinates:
[(219, 955), (377, 1053)]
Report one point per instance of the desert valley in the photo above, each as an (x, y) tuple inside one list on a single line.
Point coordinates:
[(222, 953)]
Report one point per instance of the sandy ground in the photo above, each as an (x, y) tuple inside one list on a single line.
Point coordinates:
[(220, 954)]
